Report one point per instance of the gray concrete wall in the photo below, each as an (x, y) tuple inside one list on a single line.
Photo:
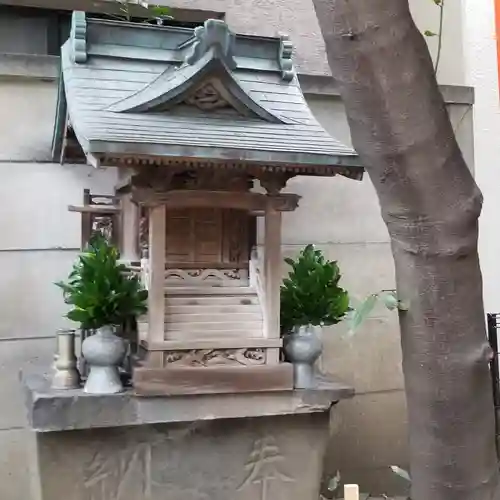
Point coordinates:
[(298, 19), (40, 238)]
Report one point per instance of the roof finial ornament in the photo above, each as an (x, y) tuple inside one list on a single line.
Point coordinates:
[(214, 35), (286, 62), (79, 37)]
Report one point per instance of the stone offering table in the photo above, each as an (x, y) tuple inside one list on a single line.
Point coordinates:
[(259, 446)]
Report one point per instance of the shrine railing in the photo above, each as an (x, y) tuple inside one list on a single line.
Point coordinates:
[(145, 273), (257, 281), (105, 223)]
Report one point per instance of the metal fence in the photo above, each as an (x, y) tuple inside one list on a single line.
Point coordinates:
[(493, 321)]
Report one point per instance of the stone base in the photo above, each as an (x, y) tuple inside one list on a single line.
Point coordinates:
[(174, 381), (274, 458), (261, 446)]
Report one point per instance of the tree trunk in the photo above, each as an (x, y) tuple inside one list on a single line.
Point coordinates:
[(431, 204)]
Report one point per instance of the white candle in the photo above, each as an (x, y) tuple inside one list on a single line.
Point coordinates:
[(351, 492)]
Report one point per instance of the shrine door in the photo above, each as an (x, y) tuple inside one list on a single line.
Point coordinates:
[(209, 238)]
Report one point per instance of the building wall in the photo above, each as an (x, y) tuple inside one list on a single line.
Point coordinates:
[(40, 238), (481, 71), (298, 19)]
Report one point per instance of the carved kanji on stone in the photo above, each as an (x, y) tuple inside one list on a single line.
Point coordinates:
[(263, 467)]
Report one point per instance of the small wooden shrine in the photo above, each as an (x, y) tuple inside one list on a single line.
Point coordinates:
[(192, 119)]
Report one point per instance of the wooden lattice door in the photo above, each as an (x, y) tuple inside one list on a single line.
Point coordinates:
[(208, 238)]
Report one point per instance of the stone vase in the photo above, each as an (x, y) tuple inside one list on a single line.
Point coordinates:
[(302, 348), (103, 352)]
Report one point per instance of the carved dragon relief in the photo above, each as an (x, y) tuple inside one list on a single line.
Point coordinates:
[(215, 357), (207, 97), (201, 275)]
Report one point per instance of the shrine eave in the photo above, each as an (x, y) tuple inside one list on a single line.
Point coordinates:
[(144, 94), (116, 153)]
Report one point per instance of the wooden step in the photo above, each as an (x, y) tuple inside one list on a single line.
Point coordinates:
[(178, 380), (194, 313), (201, 333), (225, 343), (212, 316), (212, 337), (172, 309), (209, 291), (230, 324), (204, 300)]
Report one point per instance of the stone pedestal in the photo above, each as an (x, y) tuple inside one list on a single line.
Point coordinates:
[(235, 447)]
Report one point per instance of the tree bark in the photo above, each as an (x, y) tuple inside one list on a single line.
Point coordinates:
[(431, 204)]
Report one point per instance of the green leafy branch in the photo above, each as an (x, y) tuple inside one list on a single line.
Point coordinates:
[(138, 8), (389, 298), (310, 295), (439, 34), (100, 290)]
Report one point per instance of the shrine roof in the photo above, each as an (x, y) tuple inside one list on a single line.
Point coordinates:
[(160, 94)]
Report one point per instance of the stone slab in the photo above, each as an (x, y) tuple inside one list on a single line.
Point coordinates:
[(32, 102), (50, 410), (32, 305), (278, 458), (370, 434), (35, 196), (374, 349)]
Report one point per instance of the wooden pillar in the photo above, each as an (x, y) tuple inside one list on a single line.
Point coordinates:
[(156, 299), (86, 220), (272, 275), (130, 229)]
